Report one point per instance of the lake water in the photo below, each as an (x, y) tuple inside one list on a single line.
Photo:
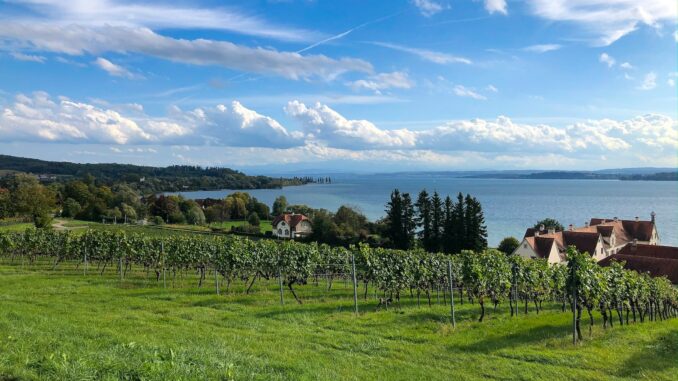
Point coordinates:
[(510, 206)]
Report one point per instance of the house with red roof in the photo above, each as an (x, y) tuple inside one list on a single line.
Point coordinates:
[(291, 225), (656, 260), (599, 237)]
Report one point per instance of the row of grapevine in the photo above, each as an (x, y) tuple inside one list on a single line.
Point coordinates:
[(487, 278)]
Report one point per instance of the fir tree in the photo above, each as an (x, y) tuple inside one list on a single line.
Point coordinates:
[(423, 206), (437, 222), (408, 223)]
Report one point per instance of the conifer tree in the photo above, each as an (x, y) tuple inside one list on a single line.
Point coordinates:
[(394, 215), (423, 207), (408, 223), (437, 222)]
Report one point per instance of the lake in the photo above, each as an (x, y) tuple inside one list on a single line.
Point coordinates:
[(510, 205)]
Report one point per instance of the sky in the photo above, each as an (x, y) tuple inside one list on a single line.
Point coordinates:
[(271, 86)]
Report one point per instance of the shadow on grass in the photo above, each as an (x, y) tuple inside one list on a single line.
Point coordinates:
[(529, 336), (661, 355)]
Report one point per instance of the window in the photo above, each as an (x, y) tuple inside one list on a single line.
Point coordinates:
[(279, 231), (287, 232), (524, 246)]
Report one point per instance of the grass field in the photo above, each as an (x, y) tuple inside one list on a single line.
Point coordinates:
[(63, 325), (226, 225)]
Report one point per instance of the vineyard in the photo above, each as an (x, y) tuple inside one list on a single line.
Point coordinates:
[(380, 278)]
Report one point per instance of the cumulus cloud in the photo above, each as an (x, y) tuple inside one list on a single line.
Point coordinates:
[(428, 8), (326, 125), (498, 6), (74, 39), (113, 69), (462, 91), (384, 81), (626, 65), (607, 59), (28, 57), (606, 21), (542, 48), (649, 81), (426, 55), (40, 117)]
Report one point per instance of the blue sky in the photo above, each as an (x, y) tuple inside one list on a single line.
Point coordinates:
[(282, 85)]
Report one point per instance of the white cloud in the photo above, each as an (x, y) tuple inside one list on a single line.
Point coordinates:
[(74, 39), (41, 118), (324, 124), (671, 82), (675, 35), (626, 65), (606, 21), (428, 8), (384, 81), (649, 81), (113, 69), (607, 59), (162, 16), (462, 91), (542, 48), (330, 128), (492, 88), (498, 6), (28, 57), (427, 55)]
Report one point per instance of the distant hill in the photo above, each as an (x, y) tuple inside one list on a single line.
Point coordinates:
[(145, 178), (653, 174)]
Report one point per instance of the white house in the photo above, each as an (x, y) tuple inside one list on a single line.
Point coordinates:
[(291, 225)]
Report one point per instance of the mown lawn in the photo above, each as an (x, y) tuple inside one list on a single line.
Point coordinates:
[(227, 225), (60, 324)]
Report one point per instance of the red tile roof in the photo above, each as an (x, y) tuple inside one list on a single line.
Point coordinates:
[(655, 260), (291, 219)]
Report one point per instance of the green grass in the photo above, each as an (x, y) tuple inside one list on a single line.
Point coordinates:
[(15, 227), (63, 325), (226, 225)]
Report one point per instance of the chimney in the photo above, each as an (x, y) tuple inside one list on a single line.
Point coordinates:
[(586, 224), (536, 233), (541, 227), (634, 245), (552, 231), (652, 216), (615, 219), (571, 227), (637, 219)]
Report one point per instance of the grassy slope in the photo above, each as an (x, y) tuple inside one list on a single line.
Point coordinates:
[(62, 325)]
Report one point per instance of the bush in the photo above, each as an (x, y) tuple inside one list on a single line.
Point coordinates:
[(508, 245), (253, 219), (71, 208), (157, 220)]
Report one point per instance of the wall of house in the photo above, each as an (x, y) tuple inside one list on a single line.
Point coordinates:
[(282, 229), (303, 228), (525, 250)]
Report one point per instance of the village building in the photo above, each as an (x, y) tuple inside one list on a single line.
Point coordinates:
[(599, 237), (291, 225), (656, 260)]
